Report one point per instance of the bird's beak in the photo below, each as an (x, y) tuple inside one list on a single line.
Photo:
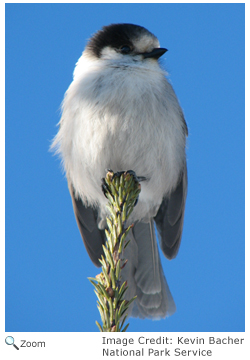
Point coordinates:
[(155, 53)]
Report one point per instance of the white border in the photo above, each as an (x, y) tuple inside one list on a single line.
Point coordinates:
[(89, 345)]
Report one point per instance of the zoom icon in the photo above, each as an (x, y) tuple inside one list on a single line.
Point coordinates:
[(10, 341)]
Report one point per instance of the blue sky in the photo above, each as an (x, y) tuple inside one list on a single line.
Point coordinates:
[(46, 262)]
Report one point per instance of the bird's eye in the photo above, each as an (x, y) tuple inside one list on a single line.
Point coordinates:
[(125, 49)]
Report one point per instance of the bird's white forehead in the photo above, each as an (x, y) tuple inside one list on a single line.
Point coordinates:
[(146, 43)]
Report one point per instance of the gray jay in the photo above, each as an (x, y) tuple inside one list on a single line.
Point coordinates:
[(121, 113)]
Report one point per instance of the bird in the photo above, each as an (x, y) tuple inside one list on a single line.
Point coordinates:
[(120, 112)]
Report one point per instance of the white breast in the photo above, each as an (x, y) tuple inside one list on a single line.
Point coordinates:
[(122, 118)]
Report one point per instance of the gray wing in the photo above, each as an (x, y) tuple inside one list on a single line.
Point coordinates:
[(170, 217), (86, 218)]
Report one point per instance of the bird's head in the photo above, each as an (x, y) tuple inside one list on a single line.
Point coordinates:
[(124, 42)]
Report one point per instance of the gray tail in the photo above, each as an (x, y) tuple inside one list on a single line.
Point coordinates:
[(145, 276)]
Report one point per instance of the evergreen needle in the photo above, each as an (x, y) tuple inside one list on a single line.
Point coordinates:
[(122, 191)]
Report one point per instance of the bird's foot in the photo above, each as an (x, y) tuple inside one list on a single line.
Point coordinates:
[(118, 174)]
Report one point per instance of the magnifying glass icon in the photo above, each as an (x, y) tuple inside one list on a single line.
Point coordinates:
[(10, 341)]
